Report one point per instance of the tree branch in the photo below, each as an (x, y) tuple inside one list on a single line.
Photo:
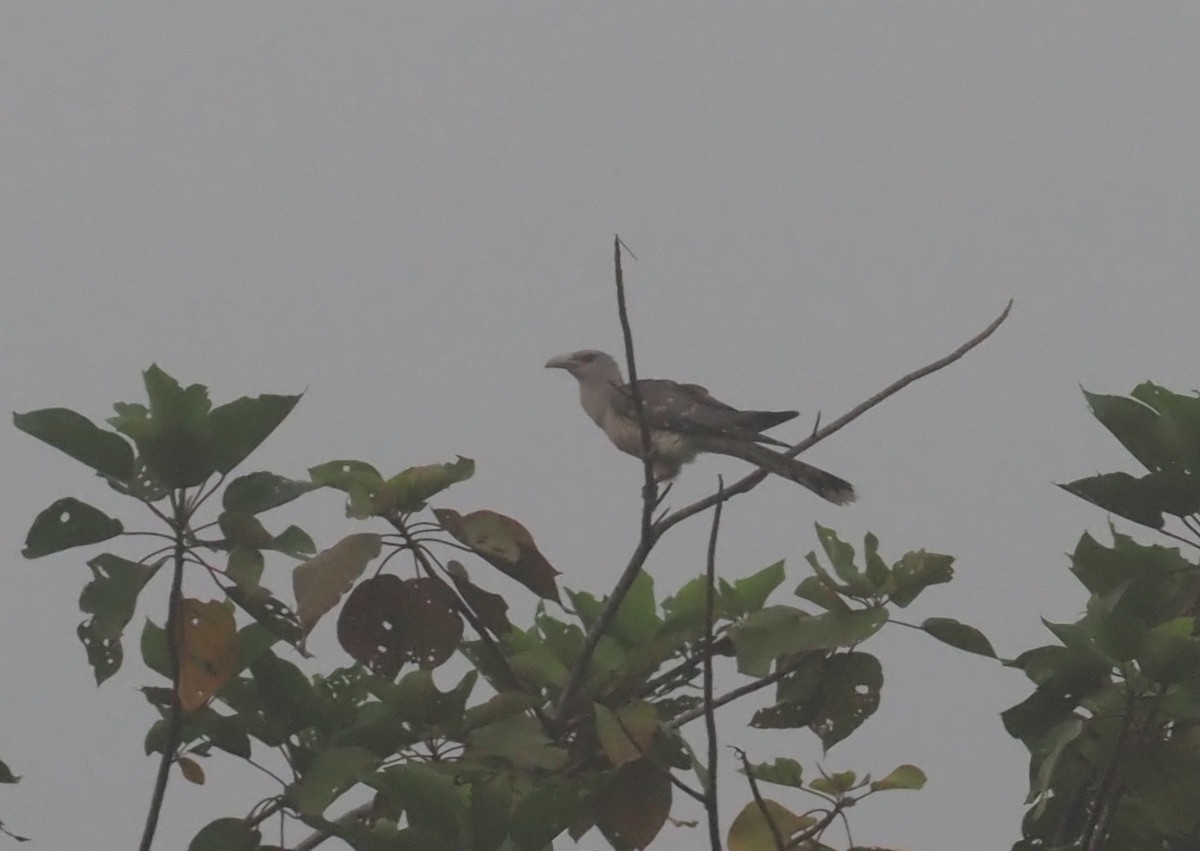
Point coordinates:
[(748, 482), (780, 845), (710, 711)]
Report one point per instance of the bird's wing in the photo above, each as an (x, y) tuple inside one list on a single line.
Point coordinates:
[(691, 409)]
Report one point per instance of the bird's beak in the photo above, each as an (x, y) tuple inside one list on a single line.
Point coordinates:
[(560, 362)]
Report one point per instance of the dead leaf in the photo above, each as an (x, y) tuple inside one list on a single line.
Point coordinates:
[(207, 642), (322, 580), (506, 545)]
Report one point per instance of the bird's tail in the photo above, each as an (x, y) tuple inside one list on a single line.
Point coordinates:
[(823, 484)]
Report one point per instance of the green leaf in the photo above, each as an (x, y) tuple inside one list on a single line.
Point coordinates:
[(1120, 493), (226, 834), (106, 453), (637, 618), (430, 798), (172, 434), (155, 652), (960, 635), (752, 591), (901, 777), (345, 474), (1134, 424), (549, 809), (239, 427), (823, 591), (841, 556), (849, 696), (491, 803), (782, 631), (915, 572), (331, 774), (255, 493), (110, 598), (783, 771), (293, 541), (877, 570), (289, 698), (68, 523), (519, 740), (6, 775), (751, 830)]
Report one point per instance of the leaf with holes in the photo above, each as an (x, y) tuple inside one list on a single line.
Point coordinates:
[(505, 544), (409, 489), (490, 608), (849, 696), (68, 523), (110, 598), (322, 580), (388, 621), (107, 453), (634, 804), (207, 641), (268, 611)]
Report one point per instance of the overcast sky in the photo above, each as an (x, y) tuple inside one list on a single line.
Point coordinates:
[(407, 208)]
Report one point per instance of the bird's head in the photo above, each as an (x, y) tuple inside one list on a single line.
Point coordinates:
[(588, 364)]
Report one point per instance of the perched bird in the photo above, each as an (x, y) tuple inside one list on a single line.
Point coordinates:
[(685, 420)]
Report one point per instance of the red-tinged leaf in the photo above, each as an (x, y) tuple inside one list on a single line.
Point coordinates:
[(387, 621), (635, 804), (207, 641), (490, 608), (191, 770), (506, 545), (751, 831), (626, 734), (322, 580)]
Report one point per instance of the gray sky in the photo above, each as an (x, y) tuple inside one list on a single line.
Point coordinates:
[(406, 209)]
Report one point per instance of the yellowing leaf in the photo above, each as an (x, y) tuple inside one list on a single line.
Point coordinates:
[(192, 772), (207, 642), (750, 831), (322, 580), (505, 544), (626, 735)]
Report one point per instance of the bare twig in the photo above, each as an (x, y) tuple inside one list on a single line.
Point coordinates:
[(780, 844), (650, 500), (746, 483), (710, 713)]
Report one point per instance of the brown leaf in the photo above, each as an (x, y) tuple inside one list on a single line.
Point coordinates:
[(207, 641), (635, 804), (505, 544), (490, 608), (387, 621), (192, 772), (322, 580)]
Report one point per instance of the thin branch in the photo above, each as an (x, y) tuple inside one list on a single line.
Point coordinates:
[(326, 829), (650, 501), (741, 691), (780, 845), (746, 483), (710, 714), (650, 487), (174, 660)]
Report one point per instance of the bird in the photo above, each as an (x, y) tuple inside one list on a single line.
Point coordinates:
[(685, 420)]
